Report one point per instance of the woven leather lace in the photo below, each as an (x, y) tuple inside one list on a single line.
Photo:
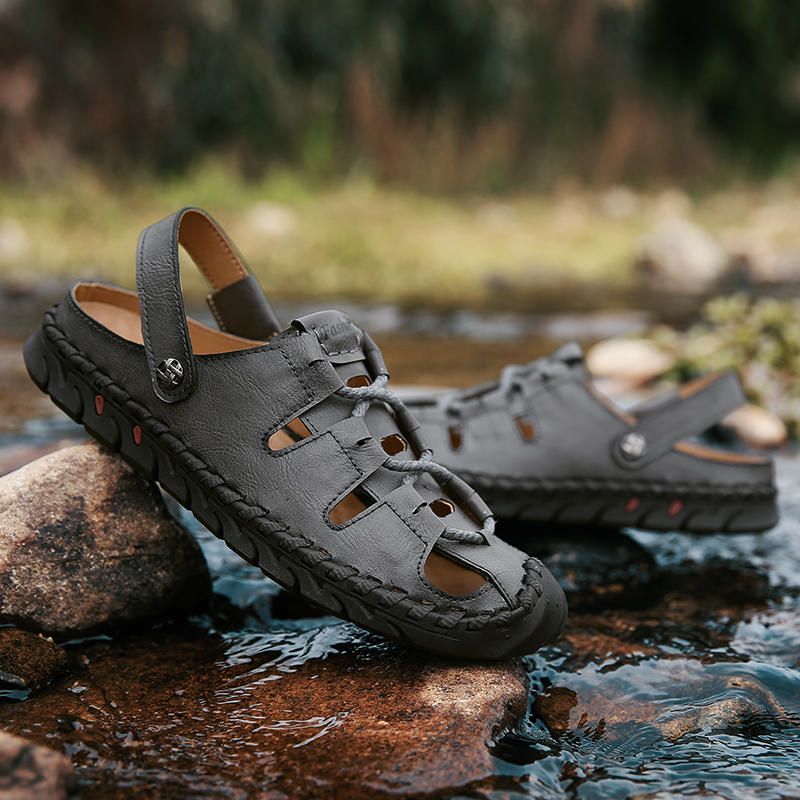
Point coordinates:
[(424, 464)]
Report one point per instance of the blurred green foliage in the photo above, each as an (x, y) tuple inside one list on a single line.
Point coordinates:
[(442, 94), (737, 61), (758, 337)]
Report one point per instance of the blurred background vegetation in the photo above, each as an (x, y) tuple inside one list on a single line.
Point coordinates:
[(454, 152), (445, 95)]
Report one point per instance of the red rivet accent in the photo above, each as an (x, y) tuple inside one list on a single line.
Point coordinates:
[(675, 508), (137, 434), (99, 404), (632, 504)]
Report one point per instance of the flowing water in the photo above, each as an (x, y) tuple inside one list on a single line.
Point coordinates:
[(679, 672)]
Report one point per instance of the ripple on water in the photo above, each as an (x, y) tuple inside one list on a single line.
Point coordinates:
[(663, 725)]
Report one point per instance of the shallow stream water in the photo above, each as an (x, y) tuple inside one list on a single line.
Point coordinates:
[(678, 674)]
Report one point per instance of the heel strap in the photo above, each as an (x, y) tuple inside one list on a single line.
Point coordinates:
[(237, 301), (689, 411)]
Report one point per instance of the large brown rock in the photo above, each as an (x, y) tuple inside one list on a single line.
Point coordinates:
[(85, 543), (29, 771), (327, 713)]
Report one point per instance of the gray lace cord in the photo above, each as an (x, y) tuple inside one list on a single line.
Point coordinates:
[(513, 376), (364, 396)]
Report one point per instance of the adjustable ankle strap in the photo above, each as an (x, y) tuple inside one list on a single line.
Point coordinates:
[(237, 302), (688, 411)]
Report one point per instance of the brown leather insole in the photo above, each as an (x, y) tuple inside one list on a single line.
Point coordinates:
[(118, 311)]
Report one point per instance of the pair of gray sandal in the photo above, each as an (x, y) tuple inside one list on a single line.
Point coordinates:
[(289, 444)]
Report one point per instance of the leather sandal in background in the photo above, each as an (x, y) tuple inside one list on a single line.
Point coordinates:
[(542, 444)]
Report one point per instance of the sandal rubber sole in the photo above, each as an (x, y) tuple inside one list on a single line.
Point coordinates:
[(662, 508), (111, 424)]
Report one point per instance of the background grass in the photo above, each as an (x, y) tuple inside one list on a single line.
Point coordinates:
[(356, 239)]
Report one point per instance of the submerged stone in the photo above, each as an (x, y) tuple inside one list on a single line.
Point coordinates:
[(86, 544), (667, 699)]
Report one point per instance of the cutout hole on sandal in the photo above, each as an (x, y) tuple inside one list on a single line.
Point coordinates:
[(351, 505), (443, 573), (525, 427), (442, 507), (454, 433), (393, 444), (452, 578), (358, 381), (289, 434)]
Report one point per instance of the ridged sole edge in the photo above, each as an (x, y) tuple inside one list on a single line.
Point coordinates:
[(662, 512)]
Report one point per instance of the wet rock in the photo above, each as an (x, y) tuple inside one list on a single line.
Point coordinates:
[(631, 361), (327, 713), (757, 427), (85, 543), (616, 642), (739, 700), (717, 583), (28, 661), (678, 256), (554, 707), (28, 771)]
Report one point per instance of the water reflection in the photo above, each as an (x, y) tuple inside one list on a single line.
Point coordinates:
[(664, 726)]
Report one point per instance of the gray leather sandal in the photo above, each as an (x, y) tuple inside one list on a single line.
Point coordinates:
[(289, 446), (543, 444)]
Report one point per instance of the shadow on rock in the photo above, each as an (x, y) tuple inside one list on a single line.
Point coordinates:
[(597, 568), (604, 568)]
